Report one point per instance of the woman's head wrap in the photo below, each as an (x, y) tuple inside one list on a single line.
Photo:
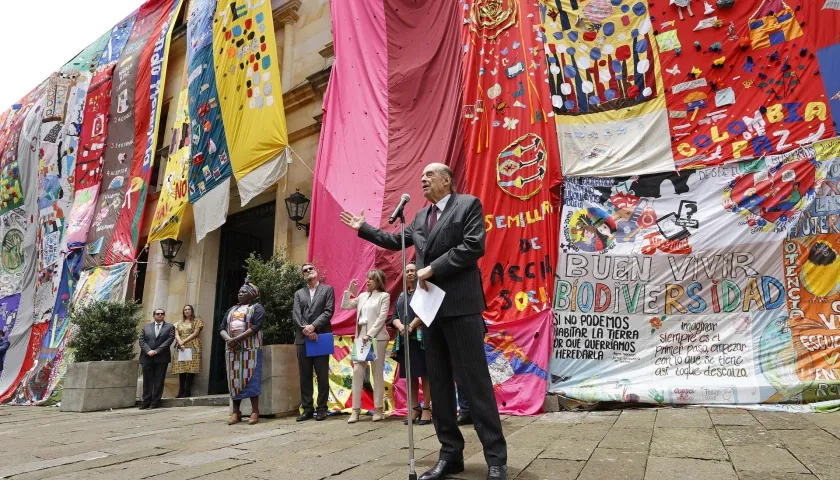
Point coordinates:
[(251, 288)]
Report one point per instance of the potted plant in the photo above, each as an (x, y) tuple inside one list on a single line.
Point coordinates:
[(104, 372), (278, 278)]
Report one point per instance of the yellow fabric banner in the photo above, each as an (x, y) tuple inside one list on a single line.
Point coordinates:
[(248, 81), (173, 200)]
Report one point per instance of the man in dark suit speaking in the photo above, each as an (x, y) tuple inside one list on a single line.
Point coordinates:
[(155, 340), (448, 237)]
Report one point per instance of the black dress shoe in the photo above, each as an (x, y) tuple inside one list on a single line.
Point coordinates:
[(320, 416), (143, 407), (464, 420), (305, 416), (497, 472), (443, 468)]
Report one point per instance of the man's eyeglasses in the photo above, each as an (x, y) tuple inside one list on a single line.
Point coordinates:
[(159, 313), (308, 269)]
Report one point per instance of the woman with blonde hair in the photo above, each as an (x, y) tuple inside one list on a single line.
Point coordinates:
[(186, 337), (371, 312)]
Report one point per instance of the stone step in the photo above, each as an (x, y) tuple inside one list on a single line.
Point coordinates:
[(202, 401)]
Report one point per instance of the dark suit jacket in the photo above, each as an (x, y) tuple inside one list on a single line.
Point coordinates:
[(452, 248), (160, 344), (318, 312)]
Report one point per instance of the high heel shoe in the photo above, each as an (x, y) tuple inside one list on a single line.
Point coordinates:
[(354, 417), (425, 422), (378, 415), (414, 419), (235, 418)]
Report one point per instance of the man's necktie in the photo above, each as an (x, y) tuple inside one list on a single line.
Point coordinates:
[(433, 218), (157, 329)]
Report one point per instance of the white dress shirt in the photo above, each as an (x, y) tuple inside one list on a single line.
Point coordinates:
[(312, 291), (441, 205)]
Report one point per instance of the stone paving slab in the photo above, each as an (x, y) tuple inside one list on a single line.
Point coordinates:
[(196, 442)]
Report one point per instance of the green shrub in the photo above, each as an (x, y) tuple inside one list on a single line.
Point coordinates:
[(278, 278), (104, 330)]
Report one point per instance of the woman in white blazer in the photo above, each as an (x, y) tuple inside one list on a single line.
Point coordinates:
[(371, 312)]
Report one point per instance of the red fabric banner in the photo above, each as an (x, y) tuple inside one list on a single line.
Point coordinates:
[(742, 82), (94, 128), (512, 155)]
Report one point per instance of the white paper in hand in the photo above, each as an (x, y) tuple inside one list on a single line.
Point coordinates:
[(426, 303), (362, 347), (185, 355)]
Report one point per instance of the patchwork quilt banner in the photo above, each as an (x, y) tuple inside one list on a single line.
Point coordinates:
[(606, 88), (248, 82), (18, 230), (742, 82), (94, 129), (173, 199), (511, 156), (38, 386), (128, 130), (210, 163), (677, 288), (55, 185)]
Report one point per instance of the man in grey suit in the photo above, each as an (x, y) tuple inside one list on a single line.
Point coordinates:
[(313, 311), (448, 237), (155, 340)]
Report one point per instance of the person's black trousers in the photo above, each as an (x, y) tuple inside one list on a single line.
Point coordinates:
[(321, 367), (457, 344), (154, 375)]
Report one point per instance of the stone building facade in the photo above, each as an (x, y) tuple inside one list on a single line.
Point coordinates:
[(304, 45)]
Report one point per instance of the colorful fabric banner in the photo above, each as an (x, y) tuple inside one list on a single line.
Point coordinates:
[(607, 91), (108, 283), (512, 162), (356, 98), (173, 200), (210, 164), (341, 380), (676, 288), (155, 55), (128, 132), (736, 81), (517, 356), (94, 129), (38, 386), (54, 187), (248, 82), (97, 111), (18, 230), (88, 59), (81, 216)]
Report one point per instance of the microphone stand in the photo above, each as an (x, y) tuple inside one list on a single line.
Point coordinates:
[(412, 475)]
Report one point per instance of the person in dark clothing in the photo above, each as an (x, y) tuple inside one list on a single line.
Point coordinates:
[(416, 351)]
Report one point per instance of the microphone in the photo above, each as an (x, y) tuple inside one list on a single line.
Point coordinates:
[(399, 210)]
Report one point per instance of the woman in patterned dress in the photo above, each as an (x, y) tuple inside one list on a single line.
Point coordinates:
[(186, 336), (240, 329)]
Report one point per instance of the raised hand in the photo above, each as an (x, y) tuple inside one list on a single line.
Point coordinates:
[(353, 288), (353, 221)]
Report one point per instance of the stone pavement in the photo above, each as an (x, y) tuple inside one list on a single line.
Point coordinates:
[(195, 442)]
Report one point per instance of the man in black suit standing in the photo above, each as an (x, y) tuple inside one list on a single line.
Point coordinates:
[(313, 311), (448, 237), (155, 340)]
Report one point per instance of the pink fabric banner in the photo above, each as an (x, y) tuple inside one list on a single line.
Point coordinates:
[(352, 155)]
